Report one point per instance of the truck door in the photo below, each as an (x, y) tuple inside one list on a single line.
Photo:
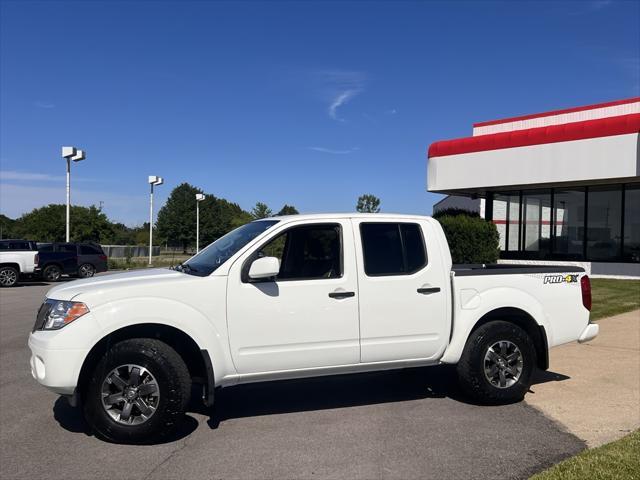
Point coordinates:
[(402, 289), (305, 317)]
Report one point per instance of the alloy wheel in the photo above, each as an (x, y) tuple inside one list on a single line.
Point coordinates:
[(130, 394), (503, 364), (86, 270), (8, 277)]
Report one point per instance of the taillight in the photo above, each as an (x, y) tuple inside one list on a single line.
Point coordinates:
[(36, 260), (585, 285), (103, 257)]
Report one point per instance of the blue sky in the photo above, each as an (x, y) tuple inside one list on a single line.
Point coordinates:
[(305, 103)]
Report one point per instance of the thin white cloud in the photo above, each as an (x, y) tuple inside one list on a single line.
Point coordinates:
[(29, 177), (45, 105), (334, 152), (339, 100), (340, 87), (17, 176), (16, 200)]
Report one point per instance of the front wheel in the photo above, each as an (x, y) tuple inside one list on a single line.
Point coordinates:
[(497, 363), (138, 392), (52, 273), (8, 276)]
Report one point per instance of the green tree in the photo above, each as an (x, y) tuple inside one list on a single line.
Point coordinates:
[(47, 224), (288, 210), (177, 218), (368, 203), (219, 216), (7, 227), (261, 211)]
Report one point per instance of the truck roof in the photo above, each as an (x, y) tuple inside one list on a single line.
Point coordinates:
[(329, 216)]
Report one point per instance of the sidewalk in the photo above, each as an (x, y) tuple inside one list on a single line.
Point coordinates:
[(593, 389)]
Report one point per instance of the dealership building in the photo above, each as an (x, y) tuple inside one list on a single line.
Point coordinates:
[(561, 186)]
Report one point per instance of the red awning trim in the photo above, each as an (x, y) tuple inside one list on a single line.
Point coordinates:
[(602, 127), (558, 112)]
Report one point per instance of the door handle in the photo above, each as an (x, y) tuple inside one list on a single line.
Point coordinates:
[(428, 290), (342, 294)]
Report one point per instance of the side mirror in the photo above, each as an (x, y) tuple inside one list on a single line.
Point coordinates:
[(264, 267)]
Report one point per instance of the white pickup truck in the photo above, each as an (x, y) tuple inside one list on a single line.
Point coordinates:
[(16, 263), (299, 296)]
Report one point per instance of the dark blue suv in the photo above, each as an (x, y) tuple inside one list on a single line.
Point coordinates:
[(80, 259)]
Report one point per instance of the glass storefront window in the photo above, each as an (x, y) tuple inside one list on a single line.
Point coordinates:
[(604, 223), (569, 224), (536, 224), (514, 222), (506, 217), (631, 251)]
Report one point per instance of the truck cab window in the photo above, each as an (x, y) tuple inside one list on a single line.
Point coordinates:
[(307, 252), (392, 248)]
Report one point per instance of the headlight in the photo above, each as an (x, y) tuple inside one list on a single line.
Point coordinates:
[(62, 313)]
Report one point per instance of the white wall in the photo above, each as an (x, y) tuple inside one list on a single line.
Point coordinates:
[(558, 119), (600, 158)]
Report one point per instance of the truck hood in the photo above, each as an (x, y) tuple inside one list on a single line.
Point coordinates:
[(128, 281)]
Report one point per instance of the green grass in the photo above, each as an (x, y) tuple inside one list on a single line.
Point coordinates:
[(616, 460), (611, 297)]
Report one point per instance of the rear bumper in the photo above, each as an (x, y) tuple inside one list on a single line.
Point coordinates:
[(589, 333)]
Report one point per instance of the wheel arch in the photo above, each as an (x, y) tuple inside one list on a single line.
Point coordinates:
[(12, 265), (198, 360), (524, 320), (52, 263)]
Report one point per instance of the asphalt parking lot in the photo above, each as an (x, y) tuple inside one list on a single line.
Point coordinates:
[(402, 424)]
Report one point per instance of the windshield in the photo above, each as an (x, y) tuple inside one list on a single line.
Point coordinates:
[(224, 248)]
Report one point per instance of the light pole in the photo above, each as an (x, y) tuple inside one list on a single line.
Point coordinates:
[(199, 198), (70, 153), (153, 181)]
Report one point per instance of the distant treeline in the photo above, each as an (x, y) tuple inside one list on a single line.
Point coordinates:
[(175, 225)]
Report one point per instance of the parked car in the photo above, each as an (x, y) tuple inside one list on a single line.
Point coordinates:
[(78, 259), (300, 296), (18, 259)]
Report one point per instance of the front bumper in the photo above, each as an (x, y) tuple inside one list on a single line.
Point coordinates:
[(589, 333), (56, 369)]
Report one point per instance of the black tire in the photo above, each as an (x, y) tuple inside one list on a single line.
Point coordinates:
[(86, 270), (9, 276), (51, 273), (169, 372), (471, 367)]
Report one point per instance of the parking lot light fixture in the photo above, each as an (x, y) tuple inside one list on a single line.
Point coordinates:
[(75, 154), (199, 197), (154, 181)]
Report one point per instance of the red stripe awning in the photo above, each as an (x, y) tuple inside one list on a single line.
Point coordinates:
[(602, 127)]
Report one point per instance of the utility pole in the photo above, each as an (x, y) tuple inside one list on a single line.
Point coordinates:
[(153, 181), (70, 153)]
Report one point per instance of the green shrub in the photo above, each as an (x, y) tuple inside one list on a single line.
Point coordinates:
[(454, 212), (471, 239)]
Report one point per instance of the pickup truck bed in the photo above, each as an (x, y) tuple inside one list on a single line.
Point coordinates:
[(470, 269)]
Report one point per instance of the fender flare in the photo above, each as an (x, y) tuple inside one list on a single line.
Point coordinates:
[(492, 300)]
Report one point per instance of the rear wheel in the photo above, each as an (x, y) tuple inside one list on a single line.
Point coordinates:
[(8, 276), (52, 273), (138, 392), (497, 363), (86, 270)]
